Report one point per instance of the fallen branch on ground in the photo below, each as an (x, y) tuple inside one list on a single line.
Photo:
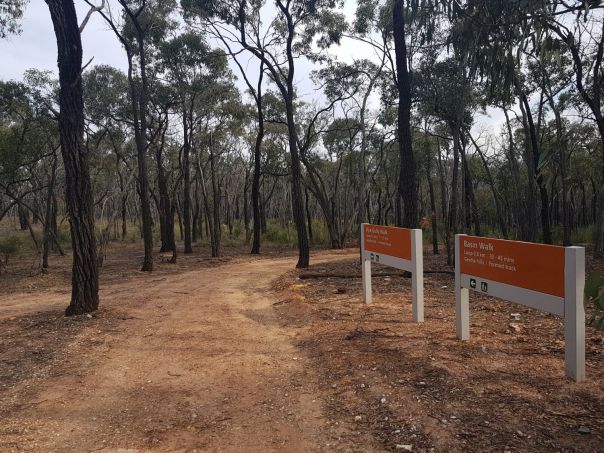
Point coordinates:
[(312, 275)]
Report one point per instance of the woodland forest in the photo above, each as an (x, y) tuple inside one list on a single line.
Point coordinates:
[(208, 136), (302, 226)]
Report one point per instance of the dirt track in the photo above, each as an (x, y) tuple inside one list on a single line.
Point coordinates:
[(240, 355), (182, 362)]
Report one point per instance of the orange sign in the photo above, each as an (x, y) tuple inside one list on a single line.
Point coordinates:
[(389, 241), (531, 266)]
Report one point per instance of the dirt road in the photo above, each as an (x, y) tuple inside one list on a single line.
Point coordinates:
[(192, 361), (241, 355)]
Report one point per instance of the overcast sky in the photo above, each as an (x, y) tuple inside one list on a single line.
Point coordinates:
[(36, 48)]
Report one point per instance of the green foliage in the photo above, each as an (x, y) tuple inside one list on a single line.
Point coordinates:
[(594, 299), (9, 246), (106, 95), (446, 92), (11, 12), (152, 16), (277, 234)]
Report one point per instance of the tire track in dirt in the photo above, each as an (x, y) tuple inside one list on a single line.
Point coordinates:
[(194, 361)]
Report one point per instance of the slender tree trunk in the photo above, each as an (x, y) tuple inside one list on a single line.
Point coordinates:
[(308, 216), (78, 188), (363, 200), (124, 216), (443, 203), (599, 239), (257, 166), (139, 113), (186, 171), (216, 223), (472, 213), (54, 229), (433, 211), (195, 230), (167, 227), (564, 162), (23, 217), (296, 182), (517, 202), (534, 146), (246, 213), (530, 213), (500, 218), (49, 213), (452, 226)]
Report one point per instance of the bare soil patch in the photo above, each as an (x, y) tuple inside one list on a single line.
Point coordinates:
[(239, 354), (394, 383), (191, 357)]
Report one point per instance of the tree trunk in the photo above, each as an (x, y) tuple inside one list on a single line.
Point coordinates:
[(23, 215), (443, 203), (48, 222), (308, 216), (78, 188), (186, 171), (564, 161), (216, 224), (168, 243), (452, 225), (138, 93), (517, 202), (472, 214), (500, 218), (196, 225), (407, 177), (432, 209), (257, 170), (534, 162), (530, 213)]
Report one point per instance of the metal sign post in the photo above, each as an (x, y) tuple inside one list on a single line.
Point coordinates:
[(544, 277), (400, 248)]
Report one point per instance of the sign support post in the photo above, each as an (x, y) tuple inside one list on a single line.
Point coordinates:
[(544, 277), (400, 248), (417, 275), (462, 298), (365, 269), (574, 312)]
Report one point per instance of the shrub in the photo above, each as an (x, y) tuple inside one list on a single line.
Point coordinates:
[(594, 299), (277, 234), (8, 247)]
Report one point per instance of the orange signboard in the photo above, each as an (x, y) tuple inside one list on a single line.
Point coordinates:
[(531, 266), (389, 241)]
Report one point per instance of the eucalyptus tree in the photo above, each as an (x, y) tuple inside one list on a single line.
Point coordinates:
[(28, 153), (107, 108), (78, 189), (221, 118), (445, 93), (191, 67), (551, 71), (163, 99), (402, 26), (340, 168), (518, 25), (140, 27), (255, 90), (352, 85), (292, 32), (407, 178)]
